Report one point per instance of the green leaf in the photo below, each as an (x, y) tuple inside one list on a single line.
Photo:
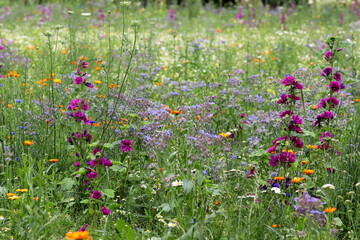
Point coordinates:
[(258, 153), (133, 115), (308, 133), (94, 144), (85, 201), (165, 207), (109, 193), (67, 184), (124, 230), (337, 221), (108, 145), (187, 185)]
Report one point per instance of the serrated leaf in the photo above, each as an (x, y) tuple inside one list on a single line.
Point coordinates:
[(109, 193)]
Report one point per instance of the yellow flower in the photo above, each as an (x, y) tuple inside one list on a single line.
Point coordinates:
[(330, 209), (14, 197), (53, 160), (22, 190), (97, 82), (11, 194), (297, 179), (58, 81)]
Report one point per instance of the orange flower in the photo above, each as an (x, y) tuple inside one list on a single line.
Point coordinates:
[(58, 81), (330, 209), (217, 202), (276, 225), (29, 143), (10, 105), (279, 178), (308, 171), (357, 100), (97, 82), (53, 160), (312, 146), (256, 60), (304, 162), (35, 198), (78, 235), (176, 112), (11, 194), (97, 68), (158, 84), (297, 179)]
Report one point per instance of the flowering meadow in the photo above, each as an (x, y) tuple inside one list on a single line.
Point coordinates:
[(190, 121)]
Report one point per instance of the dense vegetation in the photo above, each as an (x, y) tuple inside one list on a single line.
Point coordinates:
[(179, 122)]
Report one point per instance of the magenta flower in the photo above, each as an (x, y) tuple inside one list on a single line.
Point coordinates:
[(325, 136), (328, 102), (83, 229), (78, 80), (92, 175), (288, 80), (79, 103), (126, 145), (106, 211), (296, 142), (329, 56), (274, 161), (327, 71), (172, 15), (337, 76), (284, 113), (334, 86), (96, 195), (296, 119)]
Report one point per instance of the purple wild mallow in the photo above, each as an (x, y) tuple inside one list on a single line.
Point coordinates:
[(284, 157), (325, 136), (126, 145), (96, 195), (334, 86), (78, 80), (337, 76), (92, 175), (294, 127), (328, 56), (296, 119), (327, 71), (330, 102), (83, 229), (105, 211), (172, 15), (296, 142), (284, 113), (323, 116), (78, 103), (288, 80)]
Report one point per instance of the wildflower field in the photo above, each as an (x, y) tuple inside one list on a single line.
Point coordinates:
[(125, 121)]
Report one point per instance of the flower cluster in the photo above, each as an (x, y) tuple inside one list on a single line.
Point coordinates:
[(310, 207), (81, 77), (286, 157), (79, 116)]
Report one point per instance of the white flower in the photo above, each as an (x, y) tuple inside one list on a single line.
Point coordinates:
[(328, 186), (85, 14), (171, 224), (176, 183), (276, 190)]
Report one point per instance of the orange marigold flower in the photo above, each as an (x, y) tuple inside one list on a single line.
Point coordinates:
[(330, 209), (58, 81), (357, 100), (308, 171), (297, 179), (10, 105), (53, 160), (158, 84), (304, 162), (312, 146), (97, 82), (78, 235), (217, 202), (176, 112), (276, 225), (97, 68), (35, 198), (11, 194), (279, 178), (256, 60), (29, 143)]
